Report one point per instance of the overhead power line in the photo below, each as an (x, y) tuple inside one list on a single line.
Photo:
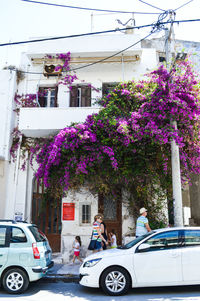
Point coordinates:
[(151, 5), (94, 33), (87, 8), (117, 53), (97, 62), (183, 5)]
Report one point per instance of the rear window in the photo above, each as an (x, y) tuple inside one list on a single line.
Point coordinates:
[(38, 234)]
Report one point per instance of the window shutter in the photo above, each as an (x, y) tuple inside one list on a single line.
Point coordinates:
[(85, 96), (73, 97), (56, 97), (41, 98)]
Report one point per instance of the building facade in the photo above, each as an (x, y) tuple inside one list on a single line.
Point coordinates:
[(99, 66)]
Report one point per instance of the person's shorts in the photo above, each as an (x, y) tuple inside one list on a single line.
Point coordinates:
[(76, 253), (98, 245)]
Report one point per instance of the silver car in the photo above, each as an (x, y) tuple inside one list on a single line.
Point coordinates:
[(25, 255)]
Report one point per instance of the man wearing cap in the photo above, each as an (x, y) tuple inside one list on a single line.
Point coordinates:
[(142, 225)]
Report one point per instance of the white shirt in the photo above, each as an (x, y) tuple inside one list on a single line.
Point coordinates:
[(113, 241), (76, 246)]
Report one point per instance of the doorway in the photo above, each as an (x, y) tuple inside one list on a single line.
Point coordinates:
[(46, 214), (111, 209)]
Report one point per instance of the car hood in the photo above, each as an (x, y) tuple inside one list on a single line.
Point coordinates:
[(108, 253)]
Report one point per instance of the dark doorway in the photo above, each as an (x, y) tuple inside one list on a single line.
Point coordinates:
[(46, 214), (111, 209)]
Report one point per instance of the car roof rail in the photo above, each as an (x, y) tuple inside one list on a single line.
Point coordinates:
[(8, 221)]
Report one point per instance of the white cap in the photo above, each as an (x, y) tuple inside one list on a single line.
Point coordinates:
[(142, 210)]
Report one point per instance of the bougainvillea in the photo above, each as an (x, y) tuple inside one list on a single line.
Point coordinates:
[(127, 144)]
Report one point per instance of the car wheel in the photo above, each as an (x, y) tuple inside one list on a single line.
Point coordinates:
[(15, 281), (115, 281)]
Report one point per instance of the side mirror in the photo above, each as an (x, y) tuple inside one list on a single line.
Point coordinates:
[(143, 247)]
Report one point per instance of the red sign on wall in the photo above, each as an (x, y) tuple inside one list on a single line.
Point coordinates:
[(68, 212)]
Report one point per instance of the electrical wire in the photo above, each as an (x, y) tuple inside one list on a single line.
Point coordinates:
[(109, 57), (93, 33), (94, 63), (87, 8), (151, 5), (183, 5)]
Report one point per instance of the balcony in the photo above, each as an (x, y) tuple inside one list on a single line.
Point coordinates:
[(42, 122)]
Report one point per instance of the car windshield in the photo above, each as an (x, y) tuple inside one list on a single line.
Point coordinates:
[(132, 243), (38, 235)]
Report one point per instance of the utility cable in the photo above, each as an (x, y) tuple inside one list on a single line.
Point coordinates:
[(94, 63), (87, 8), (111, 56), (93, 33), (151, 5), (183, 5)]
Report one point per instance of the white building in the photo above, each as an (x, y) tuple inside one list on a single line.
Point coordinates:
[(20, 196)]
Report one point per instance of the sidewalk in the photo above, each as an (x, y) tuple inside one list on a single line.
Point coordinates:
[(62, 272)]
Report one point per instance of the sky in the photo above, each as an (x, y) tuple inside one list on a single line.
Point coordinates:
[(21, 20)]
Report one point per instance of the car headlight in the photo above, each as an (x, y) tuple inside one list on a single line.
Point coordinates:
[(91, 263)]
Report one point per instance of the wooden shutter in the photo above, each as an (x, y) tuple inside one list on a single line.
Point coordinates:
[(56, 97), (41, 98), (74, 97), (85, 96)]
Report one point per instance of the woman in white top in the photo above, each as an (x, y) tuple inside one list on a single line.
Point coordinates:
[(113, 239)]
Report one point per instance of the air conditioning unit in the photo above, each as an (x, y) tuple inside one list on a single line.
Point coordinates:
[(50, 70)]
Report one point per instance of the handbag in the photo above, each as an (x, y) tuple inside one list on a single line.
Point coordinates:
[(92, 244)]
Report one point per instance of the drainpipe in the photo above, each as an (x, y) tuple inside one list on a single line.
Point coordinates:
[(123, 66), (92, 21), (16, 176), (26, 213)]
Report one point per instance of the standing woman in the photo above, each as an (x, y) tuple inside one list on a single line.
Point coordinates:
[(104, 233), (96, 235)]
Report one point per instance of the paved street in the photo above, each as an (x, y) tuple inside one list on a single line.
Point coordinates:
[(74, 292)]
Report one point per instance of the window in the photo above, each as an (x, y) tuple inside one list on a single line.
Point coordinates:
[(110, 208), (2, 237), (163, 241), (85, 214), (162, 59), (17, 235), (48, 97), (80, 96), (38, 235), (192, 238), (108, 87)]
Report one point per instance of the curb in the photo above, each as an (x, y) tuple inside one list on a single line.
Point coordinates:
[(67, 278)]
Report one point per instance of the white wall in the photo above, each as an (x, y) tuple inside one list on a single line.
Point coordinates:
[(86, 45), (7, 90)]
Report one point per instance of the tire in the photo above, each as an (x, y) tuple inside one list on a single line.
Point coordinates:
[(115, 281), (15, 281)]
